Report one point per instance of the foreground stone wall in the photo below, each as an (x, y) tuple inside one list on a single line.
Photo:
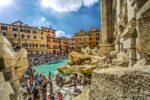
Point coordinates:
[(13, 64), (12, 61), (121, 84), (5, 89)]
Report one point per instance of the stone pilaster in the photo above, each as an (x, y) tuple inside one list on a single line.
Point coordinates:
[(129, 36), (107, 30)]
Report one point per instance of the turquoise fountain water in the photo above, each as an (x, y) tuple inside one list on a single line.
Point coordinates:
[(50, 67)]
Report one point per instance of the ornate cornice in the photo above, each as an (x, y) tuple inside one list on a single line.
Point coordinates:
[(143, 9), (133, 2), (129, 30)]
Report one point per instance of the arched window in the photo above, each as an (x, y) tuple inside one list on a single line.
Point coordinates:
[(34, 37), (22, 35), (15, 35), (4, 33)]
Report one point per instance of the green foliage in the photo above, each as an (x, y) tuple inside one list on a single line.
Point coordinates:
[(87, 72), (69, 70), (66, 70)]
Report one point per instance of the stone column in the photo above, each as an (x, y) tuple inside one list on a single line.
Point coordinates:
[(107, 27)]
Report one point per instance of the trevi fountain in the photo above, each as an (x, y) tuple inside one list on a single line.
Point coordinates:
[(119, 69)]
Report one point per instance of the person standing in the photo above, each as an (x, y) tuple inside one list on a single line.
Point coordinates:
[(61, 82), (51, 88), (50, 76), (49, 97), (59, 96), (75, 80), (39, 79)]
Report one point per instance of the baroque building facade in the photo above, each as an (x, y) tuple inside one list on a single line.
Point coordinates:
[(50, 40), (63, 44), (94, 37), (23, 36), (81, 40), (44, 40), (125, 28), (33, 39), (71, 44), (90, 39)]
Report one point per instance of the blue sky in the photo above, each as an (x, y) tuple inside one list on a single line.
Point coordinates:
[(65, 16)]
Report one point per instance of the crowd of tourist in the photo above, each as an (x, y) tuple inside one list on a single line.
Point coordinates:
[(35, 86), (39, 59)]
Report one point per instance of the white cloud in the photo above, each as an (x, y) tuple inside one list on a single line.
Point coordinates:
[(42, 21), (89, 3), (18, 8), (67, 5), (5, 3), (60, 33)]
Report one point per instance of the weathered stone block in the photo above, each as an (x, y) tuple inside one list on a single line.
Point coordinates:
[(5, 91), (129, 43), (13, 60), (132, 57), (121, 84), (14, 64)]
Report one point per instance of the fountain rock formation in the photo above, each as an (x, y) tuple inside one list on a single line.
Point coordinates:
[(13, 64), (16, 61), (78, 58), (94, 51), (78, 62), (89, 51), (86, 51), (80, 79)]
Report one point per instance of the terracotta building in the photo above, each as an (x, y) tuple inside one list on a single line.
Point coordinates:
[(24, 36), (57, 45), (81, 40), (63, 44), (94, 37), (71, 44), (33, 39), (85, 39), (43, 40), (50, 39)]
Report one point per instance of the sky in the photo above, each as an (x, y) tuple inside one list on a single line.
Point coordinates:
[(65, 16)]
